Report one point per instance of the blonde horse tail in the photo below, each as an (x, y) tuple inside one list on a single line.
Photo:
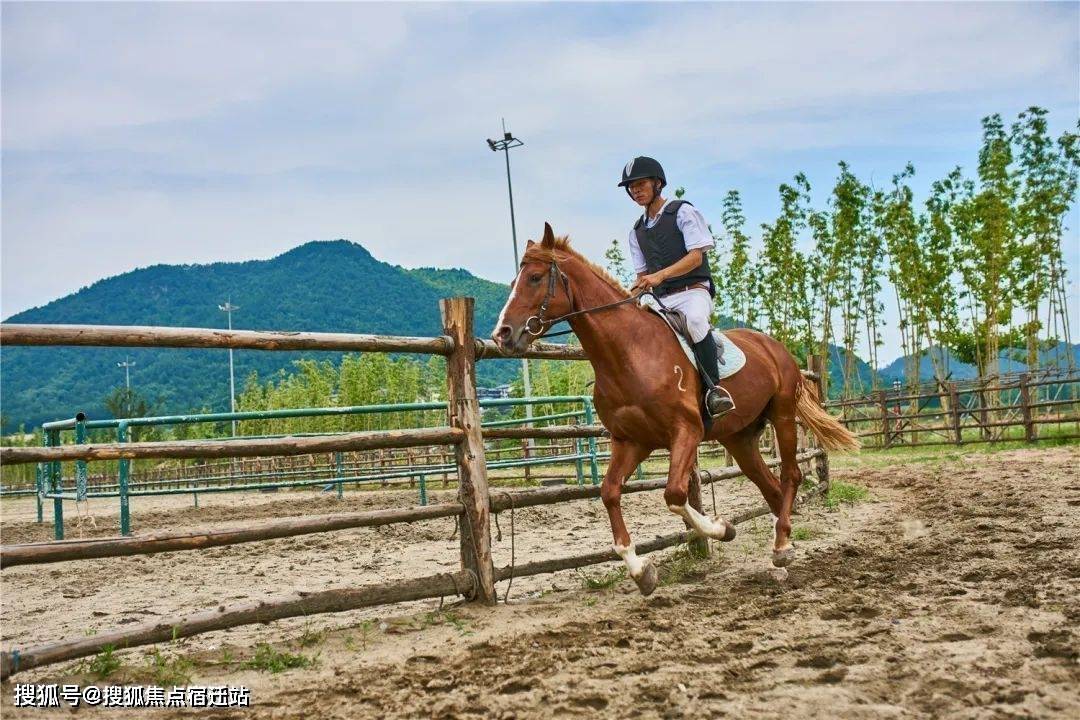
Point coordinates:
[(828, 430)]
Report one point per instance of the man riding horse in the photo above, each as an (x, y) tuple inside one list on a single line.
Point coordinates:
[(640, 394), (668, 246)]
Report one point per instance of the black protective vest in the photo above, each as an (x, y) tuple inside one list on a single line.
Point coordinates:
[(663, 245)]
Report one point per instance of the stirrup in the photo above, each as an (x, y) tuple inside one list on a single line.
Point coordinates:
[(722, 402)]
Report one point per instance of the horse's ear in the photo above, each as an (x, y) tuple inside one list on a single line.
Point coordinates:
[(549, 237), (529, 244)]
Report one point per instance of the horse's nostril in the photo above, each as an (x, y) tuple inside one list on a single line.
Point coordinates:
[(503, 333)]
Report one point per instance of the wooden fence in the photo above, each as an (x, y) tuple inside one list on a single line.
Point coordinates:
[(1026, 407), (474, 505)]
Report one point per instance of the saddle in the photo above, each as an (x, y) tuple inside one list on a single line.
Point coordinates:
[(730, 356)]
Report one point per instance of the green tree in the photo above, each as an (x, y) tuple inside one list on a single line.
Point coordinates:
[(842, 252), (735, 278), (615, 262), (123, 402), (784, 280), (1047, 191), (987, 252)]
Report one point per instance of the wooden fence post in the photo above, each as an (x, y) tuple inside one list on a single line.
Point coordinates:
[(984, 417), (886, 432), (954, 413), (525, 455), (1025, 408), (464, 413)]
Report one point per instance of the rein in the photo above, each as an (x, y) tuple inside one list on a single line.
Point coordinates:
[(545, 323)]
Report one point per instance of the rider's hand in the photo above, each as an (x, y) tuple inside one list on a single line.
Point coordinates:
[(646, 282)]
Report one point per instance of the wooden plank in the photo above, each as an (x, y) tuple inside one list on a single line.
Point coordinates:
[(595, 558), (557, 431), (186, 337), (50, 552), (464, 412), (227, 616), (487, 349), (504, 499), (234, 448)]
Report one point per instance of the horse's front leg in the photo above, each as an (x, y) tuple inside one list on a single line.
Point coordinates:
[(683, 462), (625, 457)]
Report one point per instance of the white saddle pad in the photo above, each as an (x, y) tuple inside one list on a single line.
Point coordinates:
[(732, 358)]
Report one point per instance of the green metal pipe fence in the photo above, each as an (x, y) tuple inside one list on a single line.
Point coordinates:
[(50, 485)]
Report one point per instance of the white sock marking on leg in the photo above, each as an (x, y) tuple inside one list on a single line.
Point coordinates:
[(634, 564), (702, 523)]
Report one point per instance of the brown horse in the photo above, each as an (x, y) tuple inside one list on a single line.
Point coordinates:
[(647, 393)]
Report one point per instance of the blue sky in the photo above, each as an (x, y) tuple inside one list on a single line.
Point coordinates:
[(135, 134)]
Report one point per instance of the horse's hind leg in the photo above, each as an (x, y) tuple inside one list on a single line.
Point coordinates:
[(787, 441), (744, 449), (625, 456)]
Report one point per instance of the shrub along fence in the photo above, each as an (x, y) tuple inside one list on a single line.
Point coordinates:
[(464, 432)]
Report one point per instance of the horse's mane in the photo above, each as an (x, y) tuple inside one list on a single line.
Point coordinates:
[(537, 252)]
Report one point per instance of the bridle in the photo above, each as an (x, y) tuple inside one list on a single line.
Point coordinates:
[(545, 323)]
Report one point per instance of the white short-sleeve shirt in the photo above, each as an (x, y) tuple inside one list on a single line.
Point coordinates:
[(692, 225)]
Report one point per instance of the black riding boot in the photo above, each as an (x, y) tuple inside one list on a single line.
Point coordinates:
[(717, 402)]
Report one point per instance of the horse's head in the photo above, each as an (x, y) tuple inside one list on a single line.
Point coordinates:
[(539, 293)]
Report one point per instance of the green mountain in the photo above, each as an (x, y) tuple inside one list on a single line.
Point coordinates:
[(334, 286), (1011, 360)]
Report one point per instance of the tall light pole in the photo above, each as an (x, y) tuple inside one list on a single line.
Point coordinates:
[(127, 365), (509, 141), (228, 309)]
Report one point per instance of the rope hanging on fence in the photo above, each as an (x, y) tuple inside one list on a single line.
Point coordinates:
[(513, 549), (82, 512), (712, 489)]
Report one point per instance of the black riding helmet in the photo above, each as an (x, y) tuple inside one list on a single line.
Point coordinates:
[(642, 167)]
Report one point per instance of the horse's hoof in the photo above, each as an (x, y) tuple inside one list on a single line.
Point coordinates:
[(648, 580), (778, 574), (783, 558), (729, 530)]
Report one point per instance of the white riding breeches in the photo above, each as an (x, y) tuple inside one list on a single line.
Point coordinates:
[(696, 305)]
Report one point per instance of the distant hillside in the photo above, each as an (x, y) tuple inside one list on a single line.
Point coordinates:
[(1011, 362), (334, 286), (863, 372)]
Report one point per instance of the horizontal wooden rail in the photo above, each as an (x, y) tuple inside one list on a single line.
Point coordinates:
[(504, 499), (63, 550), (558, 431), (227, 616), (338, 600), (185, 337), (575, 561), (66, 550), (488, 350), (540, 567), (368, 440)]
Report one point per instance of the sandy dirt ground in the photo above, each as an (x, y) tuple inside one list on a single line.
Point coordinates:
[(952, 591)]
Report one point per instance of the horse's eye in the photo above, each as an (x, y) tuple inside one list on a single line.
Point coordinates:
[(534, 278)]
